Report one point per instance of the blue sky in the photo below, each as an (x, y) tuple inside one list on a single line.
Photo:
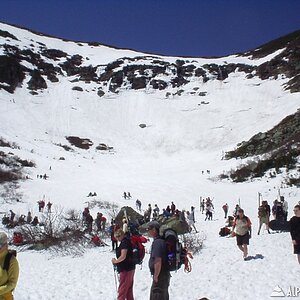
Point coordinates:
[(170, 27)]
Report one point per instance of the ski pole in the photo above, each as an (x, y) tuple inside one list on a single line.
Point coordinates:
[(115, 275)]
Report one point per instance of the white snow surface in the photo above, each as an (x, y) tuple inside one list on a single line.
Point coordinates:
[(158, 164)]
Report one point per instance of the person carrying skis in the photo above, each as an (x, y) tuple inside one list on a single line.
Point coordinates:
[(158, 264), (242, 227), (125, 266), (295, 231), (264, 216), (8, 277)]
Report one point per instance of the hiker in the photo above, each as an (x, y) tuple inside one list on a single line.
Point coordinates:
[(236, 209), (166, 214), (97, 241), (103, 222), (264, 216), (129, 195), (125, 195), (125, 266), (18, 238), (279, 211), (89, 222), (114, 227), (190, 221), (295, 231), (274, 208), (12, 216), (21, 220), (35, 221), (41, 205), (158, 264), (98, 221), (147, 213), (193, 213), (155, 211), (138, 205), (9, 273), (168, 209), (202, 206), (29, 218), (173, 208), (285, 207), (225, 209), (49, 205), (209, 212), (242, 227)]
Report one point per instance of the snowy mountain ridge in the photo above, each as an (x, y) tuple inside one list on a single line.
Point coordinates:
[(64, 99)]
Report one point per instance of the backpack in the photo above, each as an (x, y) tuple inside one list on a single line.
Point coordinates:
[(7, 259), (224, 231), (138, 249), (176, 254), (262, 211)]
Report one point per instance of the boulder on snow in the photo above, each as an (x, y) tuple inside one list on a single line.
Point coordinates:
[(143, 125), (132, 215), (180, 226)]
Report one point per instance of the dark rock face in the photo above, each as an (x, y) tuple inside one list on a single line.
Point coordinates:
[(141, 72), (12, 73), (77, 88), (36, 82), (6, 34), (279, 147), (100, 93), (82, 143)]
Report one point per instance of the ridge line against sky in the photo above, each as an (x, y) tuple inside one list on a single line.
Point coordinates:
[(166, 27)]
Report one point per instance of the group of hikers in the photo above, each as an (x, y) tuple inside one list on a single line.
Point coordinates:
[(42, 204), (240, 224), (88, 221), (10, 220), (157, 265)]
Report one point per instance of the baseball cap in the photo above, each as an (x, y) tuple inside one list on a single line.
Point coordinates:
[(3, 239), (153, 224)]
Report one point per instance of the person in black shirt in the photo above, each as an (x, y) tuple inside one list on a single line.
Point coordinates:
[(295, 231), (158, 264), (125, 266)]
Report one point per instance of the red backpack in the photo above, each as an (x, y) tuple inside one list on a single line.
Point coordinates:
[(138, 249)]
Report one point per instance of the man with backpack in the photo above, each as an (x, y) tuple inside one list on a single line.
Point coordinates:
[(264, 216), (242, 225), (9, 270), (125, 266), (295, 231), (158, 264)]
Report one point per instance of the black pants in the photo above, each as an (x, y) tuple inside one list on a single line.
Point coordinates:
[(159, 290)]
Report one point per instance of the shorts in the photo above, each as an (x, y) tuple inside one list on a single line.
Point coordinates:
[(297, 248), (242, 239)]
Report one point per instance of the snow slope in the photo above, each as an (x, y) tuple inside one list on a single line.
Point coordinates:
[(158, 164)]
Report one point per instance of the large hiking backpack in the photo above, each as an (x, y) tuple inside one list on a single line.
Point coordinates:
[(177, 255), (224, 231), (262, 211), (7, 259), (138, 249)]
